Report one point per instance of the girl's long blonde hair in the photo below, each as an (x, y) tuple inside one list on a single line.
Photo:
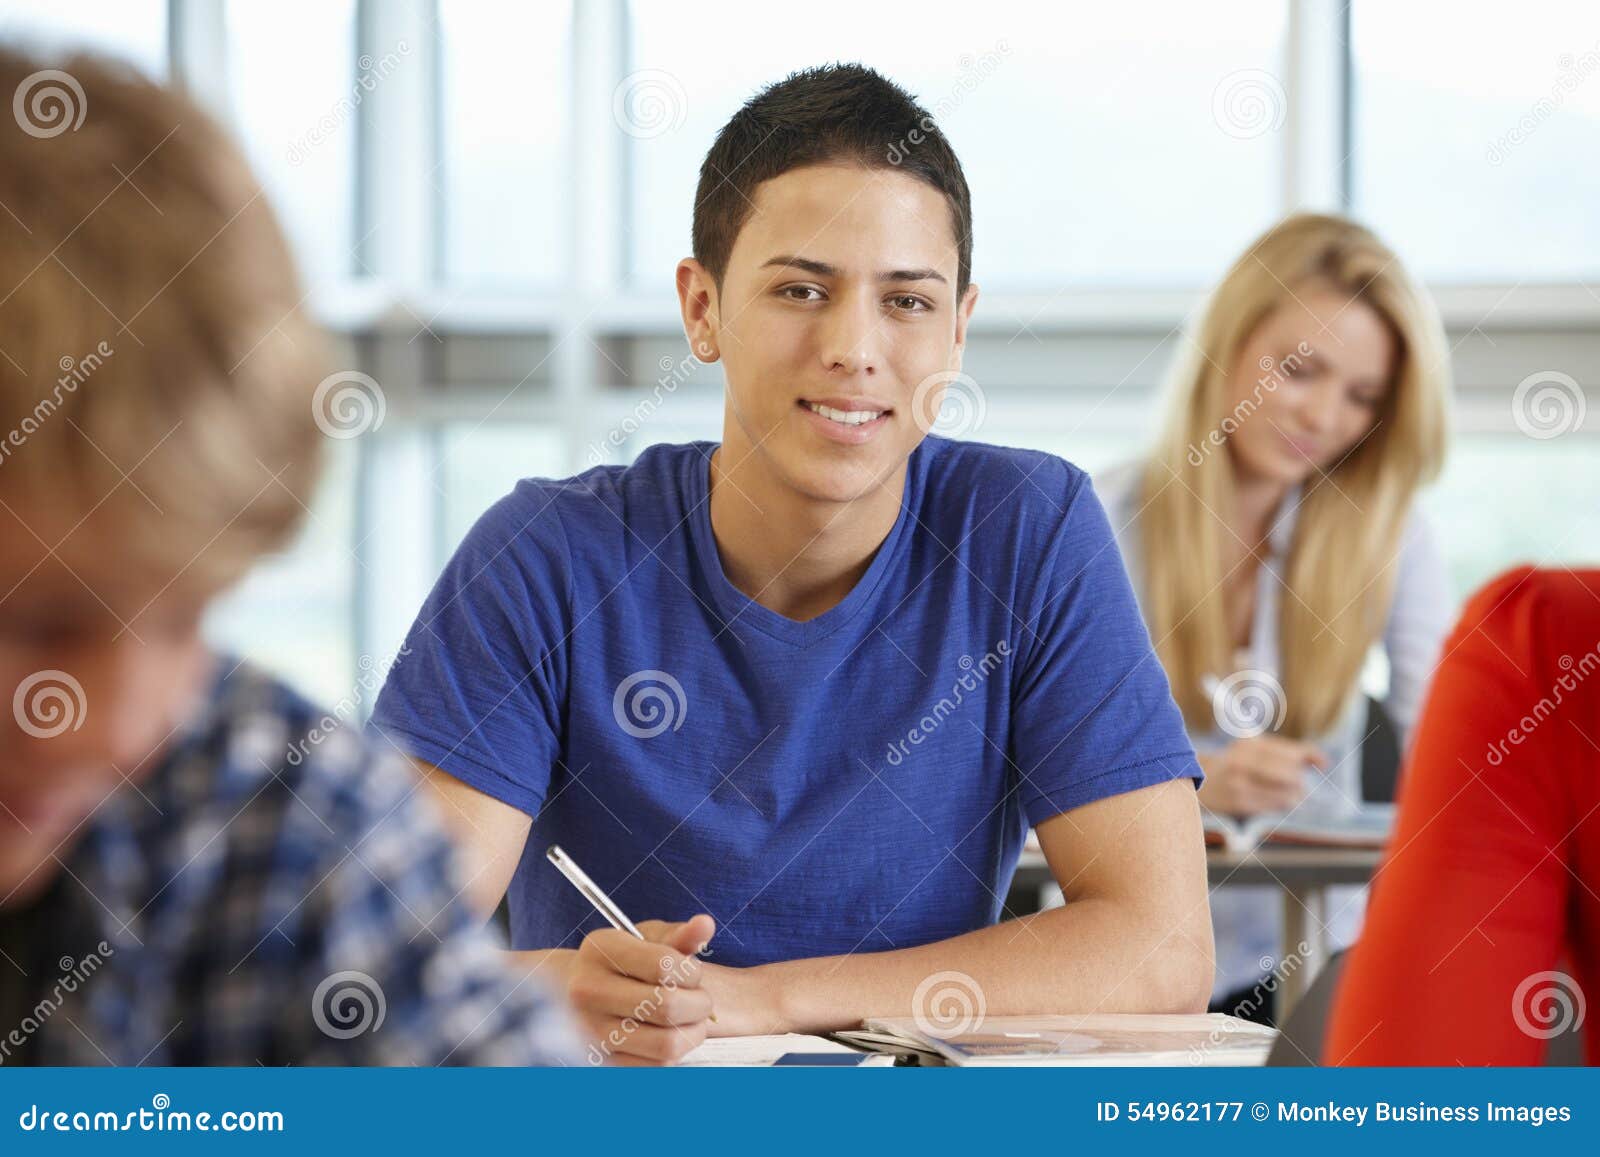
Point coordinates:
[(1342, 559)]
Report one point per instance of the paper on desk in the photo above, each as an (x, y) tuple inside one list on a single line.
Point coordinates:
[(758, 1050), (1094, 1039)]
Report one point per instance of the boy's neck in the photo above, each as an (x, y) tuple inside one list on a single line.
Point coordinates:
[(795, 555)]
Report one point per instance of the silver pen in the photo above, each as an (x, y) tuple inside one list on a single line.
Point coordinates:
[(593, 893)]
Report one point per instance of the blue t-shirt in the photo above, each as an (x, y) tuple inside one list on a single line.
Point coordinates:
[(858, 782)]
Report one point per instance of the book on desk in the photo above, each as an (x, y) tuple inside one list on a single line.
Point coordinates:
[(1364, 827), (1091, 1039)]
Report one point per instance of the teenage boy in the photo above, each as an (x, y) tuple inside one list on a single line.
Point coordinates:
[(806, 690), (193, 870)]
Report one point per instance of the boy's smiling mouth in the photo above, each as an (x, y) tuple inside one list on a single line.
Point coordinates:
[(848, 420)]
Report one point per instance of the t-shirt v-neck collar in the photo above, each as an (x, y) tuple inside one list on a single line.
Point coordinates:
[(738, 609)]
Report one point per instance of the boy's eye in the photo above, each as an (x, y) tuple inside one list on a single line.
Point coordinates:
[(909, 303), (797, 292)]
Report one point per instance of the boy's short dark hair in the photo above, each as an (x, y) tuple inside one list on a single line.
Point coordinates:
[(835, 113)]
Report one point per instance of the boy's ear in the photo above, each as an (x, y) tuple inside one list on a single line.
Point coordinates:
[(697, 299), (964, 315)]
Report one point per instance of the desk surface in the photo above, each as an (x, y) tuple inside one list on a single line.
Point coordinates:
[(1292, 867), (1207, 1039), (1283, 866)]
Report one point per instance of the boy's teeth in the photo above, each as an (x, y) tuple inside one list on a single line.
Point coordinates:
[(844, 417)]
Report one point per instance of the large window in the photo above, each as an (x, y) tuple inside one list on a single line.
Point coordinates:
[(489, 199), (503, 149), (292, 613), (1507, 499), (481, 462), (1477, 141), (1104, 144), (132, 30), (296, 101)]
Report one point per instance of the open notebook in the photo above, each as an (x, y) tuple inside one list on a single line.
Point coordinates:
[(745, 1051), (1367, 826), (1092, 1039)]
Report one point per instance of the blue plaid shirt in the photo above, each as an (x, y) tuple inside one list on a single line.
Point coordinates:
[(276, 892)]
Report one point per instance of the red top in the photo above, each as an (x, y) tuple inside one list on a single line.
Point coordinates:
[(1483, 934)]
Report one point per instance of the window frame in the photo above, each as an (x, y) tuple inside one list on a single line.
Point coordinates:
[(399, 317)]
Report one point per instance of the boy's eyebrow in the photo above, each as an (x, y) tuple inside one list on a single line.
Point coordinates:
[(823, 269)]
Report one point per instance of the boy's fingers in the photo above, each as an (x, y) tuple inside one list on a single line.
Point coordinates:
[(687, 937), (625, 1041), (693, 935), (616, 951), (602, 994)]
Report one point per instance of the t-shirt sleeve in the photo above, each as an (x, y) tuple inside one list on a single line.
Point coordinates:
[(478, 687), (1092, 713)]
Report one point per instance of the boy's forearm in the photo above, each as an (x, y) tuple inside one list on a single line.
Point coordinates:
[(1090, 956), (549, 966)]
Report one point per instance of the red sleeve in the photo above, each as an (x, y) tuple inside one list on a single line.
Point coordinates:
[(1473, 899)]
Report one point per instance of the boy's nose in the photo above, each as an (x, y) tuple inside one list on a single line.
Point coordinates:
[(850, 337)]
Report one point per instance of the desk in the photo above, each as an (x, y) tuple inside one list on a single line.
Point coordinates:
[(1304, 876), (1092, 1039)]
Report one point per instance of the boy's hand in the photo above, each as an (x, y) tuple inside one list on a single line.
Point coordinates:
[(642, 1000)]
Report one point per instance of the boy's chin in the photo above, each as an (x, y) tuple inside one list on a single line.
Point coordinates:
[(834, 477), (837, 485)]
